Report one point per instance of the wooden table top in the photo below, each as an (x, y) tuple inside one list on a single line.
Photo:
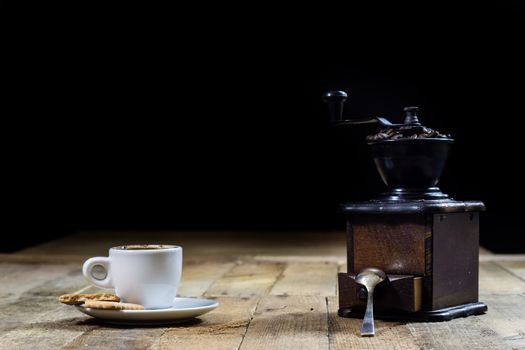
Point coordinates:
[(275, 292)]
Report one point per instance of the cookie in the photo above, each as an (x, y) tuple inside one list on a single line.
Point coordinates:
[(79, 299), (111, 305)]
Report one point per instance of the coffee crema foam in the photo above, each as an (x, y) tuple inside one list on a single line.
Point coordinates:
[(145, 246)]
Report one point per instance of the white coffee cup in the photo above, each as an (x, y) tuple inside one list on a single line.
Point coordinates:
[(142, 274)]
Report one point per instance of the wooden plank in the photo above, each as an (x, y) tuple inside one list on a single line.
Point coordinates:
[(462, 333), (30, 316), (69, 282), (36, 316), (307, 279), (502, 257), (223, 328), (506, 318), (7, 268), (28, 306), (288, 322), (32, 275), (342, 268), (517, 268), (495, 279), (247, 280), (116, 338), (26, 258), (198, 277), (500, 328), (25, 310), (484, 251), (201, 244), (344, 333), (79, 257), (50, 330), (335, 259)]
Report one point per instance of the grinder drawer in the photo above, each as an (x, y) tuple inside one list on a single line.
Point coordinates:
[(396, 293)]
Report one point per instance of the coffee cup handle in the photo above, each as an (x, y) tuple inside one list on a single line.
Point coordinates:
[(87, 270)]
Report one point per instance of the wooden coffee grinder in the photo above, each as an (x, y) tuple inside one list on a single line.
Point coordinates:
[(413, 251)]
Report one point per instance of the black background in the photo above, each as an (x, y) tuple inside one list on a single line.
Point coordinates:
[(193, 120)]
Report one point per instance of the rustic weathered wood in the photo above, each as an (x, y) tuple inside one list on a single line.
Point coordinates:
[(506, 318), (288, 322), (198, 277), (244, 280), (307, 279), (344, 333), (442, 248), (34, 315), (502, 257), (32, 276), (394, 244), (496, 279), (517, 268), (342, 268), (247, 280), (455, 258), (460, 333), (222, 329), (334, 259), (210, 245), (50, 330), (103, 337), (25, 281), (484, 251)]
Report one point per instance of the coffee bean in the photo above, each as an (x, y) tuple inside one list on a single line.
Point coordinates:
[(405, 132)]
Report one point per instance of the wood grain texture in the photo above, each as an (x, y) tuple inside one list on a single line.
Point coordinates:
[(394, 244), (484, 251), (197, 245), (344, 333), (224, 328), (249, 316), (455, 259), (198, 277), (102, 337), (494, 278), (307, 279), (517, 268), (342, 268), (288, 322), (36, 316), (53, 329), (29, 276), (461, 333), (506, 317), (247, 280), (33, 291)]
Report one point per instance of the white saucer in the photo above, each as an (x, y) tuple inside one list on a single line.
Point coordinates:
[(182, 310)]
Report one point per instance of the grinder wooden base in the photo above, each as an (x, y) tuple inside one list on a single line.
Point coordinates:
[(429, 250), (445, 314)]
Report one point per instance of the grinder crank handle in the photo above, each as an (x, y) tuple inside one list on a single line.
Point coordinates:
[(369, 278), (336, 100)]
